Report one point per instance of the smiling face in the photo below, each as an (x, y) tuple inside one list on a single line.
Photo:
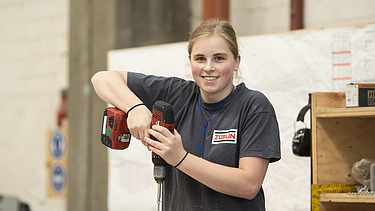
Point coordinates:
[(212, 66)]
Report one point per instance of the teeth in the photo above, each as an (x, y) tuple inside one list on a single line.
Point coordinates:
[(210, 78)]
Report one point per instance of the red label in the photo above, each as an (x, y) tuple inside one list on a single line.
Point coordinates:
[(224, 136)]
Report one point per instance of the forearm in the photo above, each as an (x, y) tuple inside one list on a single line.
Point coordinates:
[(111, 87), (239, 182)]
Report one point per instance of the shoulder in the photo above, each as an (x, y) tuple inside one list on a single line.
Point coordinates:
[(170, 89), (141, 76), (254, 100), (161, 81)]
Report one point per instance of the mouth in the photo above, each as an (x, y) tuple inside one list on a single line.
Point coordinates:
[(210, 78)]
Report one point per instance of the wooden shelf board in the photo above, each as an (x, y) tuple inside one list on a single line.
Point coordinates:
[(346, 112), (346, 198)]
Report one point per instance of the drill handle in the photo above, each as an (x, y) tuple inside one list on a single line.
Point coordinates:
[(163, 115)]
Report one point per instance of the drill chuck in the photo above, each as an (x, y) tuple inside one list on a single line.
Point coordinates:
[(159, 173)]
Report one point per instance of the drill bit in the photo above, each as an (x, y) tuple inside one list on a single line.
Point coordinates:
[(158, 195), (159, 176)]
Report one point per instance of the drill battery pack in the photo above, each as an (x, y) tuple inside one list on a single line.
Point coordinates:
[(115, 132)]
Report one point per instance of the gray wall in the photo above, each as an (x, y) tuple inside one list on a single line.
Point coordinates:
[(96, 27)]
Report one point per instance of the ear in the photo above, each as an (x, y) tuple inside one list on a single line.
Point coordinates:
[(238, 60)]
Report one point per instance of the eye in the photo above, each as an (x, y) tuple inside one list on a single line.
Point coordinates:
[(199, 58), (219, 58)]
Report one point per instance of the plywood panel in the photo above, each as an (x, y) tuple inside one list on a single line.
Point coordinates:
[(342, 142)]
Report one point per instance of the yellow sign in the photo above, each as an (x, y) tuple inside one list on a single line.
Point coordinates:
[(316, 190), (57, 145)]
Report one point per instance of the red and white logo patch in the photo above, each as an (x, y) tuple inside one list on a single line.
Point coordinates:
[(224, 136)]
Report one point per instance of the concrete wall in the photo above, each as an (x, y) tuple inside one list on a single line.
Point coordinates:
[(320, 13), (34, 68), (150, 22), (33, 65), (251, 17), (95, 28)]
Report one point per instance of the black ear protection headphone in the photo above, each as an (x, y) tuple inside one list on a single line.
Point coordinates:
[(301, 144)]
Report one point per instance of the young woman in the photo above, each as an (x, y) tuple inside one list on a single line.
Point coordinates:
[(225, 136)]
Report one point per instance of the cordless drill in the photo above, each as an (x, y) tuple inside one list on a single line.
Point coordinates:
[(116, 135), (163, 115)]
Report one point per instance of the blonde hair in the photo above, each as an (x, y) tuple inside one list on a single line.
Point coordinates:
[(215, 27)]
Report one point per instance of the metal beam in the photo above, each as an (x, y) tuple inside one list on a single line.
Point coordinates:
[(213, 9), (296, 14)]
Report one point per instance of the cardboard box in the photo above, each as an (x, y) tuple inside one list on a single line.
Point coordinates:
[(360, 94)]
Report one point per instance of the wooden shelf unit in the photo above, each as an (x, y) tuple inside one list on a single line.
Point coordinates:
[(340, 137)]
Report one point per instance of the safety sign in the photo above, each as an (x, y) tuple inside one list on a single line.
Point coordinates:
[(58, 178), (57, 144)]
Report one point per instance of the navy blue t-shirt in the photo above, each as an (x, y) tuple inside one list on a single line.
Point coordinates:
[(245, 126)]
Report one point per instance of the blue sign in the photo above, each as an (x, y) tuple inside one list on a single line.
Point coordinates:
[(57, 144), (58, 178)]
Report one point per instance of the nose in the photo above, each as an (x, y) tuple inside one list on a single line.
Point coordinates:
[(209, 66)]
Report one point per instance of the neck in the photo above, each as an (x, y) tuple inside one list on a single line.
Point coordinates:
[(214, 98)]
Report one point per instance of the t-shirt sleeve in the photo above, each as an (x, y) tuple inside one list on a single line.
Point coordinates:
[(260, 132), (150, 88)]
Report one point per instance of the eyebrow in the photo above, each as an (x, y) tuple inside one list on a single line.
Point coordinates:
[(216, 54), (220, 54), (197, 55)]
